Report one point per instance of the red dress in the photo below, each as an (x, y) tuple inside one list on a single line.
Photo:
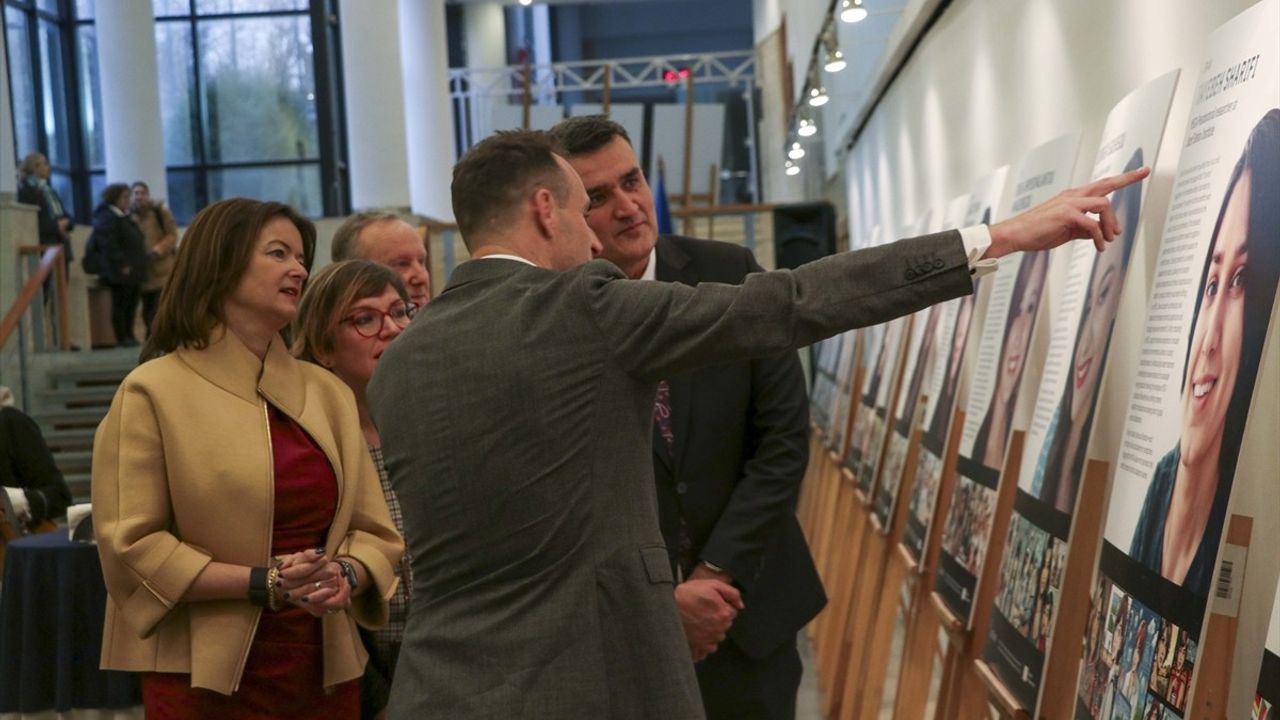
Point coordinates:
[(284, 674)]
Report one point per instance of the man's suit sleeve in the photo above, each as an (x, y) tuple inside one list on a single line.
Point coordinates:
[(778, 449), (658, 330)]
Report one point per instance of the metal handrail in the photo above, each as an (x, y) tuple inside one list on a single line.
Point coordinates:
[(50, 262)]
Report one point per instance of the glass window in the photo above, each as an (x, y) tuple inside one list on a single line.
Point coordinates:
[(90, 96), (177, 77), (84, 9), (226, 7), (22, 88), (259, 89), (297, 185), (49, 6), (97, 183), (61, 182), (53, 114), (166, 8), (183, 200)]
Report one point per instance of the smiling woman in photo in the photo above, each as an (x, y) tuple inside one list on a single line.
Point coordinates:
[(1182, 517), (989, 445), (1061, 462)]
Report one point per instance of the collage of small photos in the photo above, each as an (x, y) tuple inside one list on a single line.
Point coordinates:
[(1137, 665), (969, 524), (1030, 580)]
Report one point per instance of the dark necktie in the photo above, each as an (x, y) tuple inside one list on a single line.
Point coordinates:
[(662, 419)]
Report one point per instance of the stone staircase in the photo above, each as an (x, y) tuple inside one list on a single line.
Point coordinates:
[(72, 399)]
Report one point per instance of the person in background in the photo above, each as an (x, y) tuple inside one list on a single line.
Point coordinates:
[(351, 311), (384, 238), (55, 222), (238, 516), (160, 235), (36, 489), (123, 253)]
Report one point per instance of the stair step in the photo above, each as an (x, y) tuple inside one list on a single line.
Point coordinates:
[(69, 440), (78, 484), (80, 397), (90, 377), (73, 461), (70, 419)]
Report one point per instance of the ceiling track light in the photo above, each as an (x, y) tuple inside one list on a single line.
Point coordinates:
[(851, 11), (818, 96), (796, 152), (792, 168), (807, 127), (834, 62)]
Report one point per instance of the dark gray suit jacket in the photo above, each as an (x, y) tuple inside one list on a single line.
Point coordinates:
[(515, 414)]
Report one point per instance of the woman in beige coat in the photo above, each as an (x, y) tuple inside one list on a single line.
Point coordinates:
[(241, 525)]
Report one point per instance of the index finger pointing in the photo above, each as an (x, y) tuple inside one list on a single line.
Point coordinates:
[(1108, 185)]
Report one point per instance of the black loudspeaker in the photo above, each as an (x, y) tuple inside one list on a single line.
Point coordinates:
[(803, 232)]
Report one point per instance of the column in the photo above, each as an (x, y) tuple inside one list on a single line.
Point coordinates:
[(375, 105), (8, 161), (542, 54), (428, 107), (132, 133), (484, 27)]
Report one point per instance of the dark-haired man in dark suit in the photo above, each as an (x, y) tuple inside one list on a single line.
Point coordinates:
[(730, 449)]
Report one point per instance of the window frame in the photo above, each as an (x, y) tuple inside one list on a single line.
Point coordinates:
[(322, 15)]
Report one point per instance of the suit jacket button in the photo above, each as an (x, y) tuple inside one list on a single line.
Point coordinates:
[(937, 263), (682, 488), (911, 274)]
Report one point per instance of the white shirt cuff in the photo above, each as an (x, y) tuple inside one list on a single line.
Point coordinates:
[(977, 239), (18, 499)]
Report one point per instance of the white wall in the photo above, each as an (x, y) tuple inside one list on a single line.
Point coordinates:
[(994, 78)]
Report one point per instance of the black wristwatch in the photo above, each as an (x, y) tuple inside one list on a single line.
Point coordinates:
[(349, 572)]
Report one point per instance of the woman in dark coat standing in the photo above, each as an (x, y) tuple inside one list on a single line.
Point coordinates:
[(122, 253)]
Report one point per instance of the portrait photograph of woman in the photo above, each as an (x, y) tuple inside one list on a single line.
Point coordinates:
[(1061, 462), (1183, 512), (989, 444)]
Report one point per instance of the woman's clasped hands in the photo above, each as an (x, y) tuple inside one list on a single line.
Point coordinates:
[(313, 582)]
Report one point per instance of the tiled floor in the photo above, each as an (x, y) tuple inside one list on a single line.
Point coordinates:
[(809, 700)]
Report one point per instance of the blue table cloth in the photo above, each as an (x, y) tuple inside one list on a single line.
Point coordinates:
[(51, 613)]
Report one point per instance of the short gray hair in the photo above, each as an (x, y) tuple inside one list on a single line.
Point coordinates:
[(348, 233)]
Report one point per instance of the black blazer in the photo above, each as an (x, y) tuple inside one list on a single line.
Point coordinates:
[(121, 246), (740, 451), (25, 463)]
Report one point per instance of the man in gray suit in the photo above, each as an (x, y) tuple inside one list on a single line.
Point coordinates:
[(542, 586)]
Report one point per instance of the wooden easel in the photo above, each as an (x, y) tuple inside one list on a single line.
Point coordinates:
[(920, 646), (867, 676), (963, 693), (830, 531), (1060, 675), (1218, 642), (866, 570)]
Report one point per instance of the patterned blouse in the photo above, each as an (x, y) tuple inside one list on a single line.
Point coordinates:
[(389, 636)]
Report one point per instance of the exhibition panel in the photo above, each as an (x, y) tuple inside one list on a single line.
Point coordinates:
[(1035, 557), (1002, 361)]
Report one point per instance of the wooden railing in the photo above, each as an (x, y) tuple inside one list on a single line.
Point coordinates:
[(50, 262)]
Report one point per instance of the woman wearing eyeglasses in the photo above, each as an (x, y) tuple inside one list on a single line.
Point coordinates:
[(349, 314)]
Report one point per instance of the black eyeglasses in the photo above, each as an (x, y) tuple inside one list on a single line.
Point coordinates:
[(368, 322)]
